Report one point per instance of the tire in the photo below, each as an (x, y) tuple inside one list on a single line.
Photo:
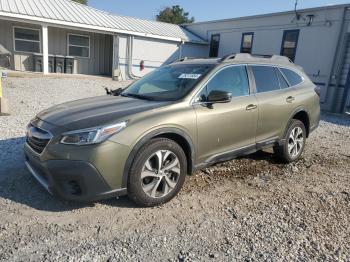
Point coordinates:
[(150, 184), (293, 144)]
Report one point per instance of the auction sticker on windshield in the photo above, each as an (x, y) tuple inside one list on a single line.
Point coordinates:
[(190, 76)]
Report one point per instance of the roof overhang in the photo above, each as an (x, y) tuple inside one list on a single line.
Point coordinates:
[(85, 27)]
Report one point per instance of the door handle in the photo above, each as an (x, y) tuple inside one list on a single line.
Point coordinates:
[(290, 99), (251, 107)]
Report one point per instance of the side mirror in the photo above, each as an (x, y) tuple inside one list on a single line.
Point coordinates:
[(218, 96)]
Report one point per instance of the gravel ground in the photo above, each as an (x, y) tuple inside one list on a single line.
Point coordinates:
[(252, 208)]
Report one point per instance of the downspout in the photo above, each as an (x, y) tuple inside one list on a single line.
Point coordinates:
[(115, 60), (337, 63), (180, 48), (129, 54)]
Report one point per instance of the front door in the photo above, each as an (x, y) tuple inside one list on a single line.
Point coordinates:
[(225, 127)]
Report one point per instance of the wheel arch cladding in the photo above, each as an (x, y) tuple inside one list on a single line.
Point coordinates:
[(175, 134), (303, 116)]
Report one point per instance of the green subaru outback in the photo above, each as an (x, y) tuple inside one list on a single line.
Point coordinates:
[(144, 140)]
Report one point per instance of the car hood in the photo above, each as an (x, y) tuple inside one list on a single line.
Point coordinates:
[(96, 111)]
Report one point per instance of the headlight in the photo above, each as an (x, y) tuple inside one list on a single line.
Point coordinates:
[(92, 135)]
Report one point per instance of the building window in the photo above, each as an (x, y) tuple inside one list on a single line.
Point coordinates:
[(26, 40), (289, 43), (247, 43), (214, 45), (79, 45)]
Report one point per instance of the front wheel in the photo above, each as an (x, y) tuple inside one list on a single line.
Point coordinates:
[(157, 173), (294, 142)]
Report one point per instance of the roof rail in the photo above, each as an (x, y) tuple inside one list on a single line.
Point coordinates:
[(182, 59), (227, 57), (281, 58), (253, 57)]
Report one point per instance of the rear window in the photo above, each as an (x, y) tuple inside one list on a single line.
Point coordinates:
[(292, 77), (265, 78)]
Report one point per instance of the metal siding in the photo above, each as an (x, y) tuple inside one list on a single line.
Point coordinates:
[(19, 60), (193, 50), (69, 11), (6, 40), (316, 45), (100, 47), (346, 63), (99, 61)]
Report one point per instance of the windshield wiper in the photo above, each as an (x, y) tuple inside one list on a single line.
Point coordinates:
[(115, 92), (143, 97)]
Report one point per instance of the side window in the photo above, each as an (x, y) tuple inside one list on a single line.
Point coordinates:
[(292, 77), (283, 82), (27, 40), (232, 79), (265, 78), (79, 45)]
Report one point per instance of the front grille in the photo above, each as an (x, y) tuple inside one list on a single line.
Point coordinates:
[(37, 138)]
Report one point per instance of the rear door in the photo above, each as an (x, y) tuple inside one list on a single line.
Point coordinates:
[(275, 102), (225, 127)]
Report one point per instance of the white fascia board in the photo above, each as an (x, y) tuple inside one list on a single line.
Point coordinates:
[(77, 26)]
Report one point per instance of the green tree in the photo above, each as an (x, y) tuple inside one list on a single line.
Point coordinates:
[(84, 2), (174, 15)]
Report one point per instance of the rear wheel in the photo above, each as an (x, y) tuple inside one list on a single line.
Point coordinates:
[(157, 173), (293, 143)]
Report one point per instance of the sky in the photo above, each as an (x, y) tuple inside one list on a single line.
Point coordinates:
[(204, 10)]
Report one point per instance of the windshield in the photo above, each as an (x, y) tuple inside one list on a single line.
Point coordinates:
[(171, 82)]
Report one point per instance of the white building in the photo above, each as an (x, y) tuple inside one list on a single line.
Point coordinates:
[(97, 42), (318, 39)]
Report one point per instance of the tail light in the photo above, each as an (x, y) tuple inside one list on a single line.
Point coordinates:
[(318, 90)]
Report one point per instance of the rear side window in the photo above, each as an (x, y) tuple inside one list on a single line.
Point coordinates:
[(232, 79), (265, 78), (292, 77), (282, 80)]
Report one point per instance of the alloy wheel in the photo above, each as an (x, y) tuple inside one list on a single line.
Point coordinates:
[(160, 173), (295, 142)]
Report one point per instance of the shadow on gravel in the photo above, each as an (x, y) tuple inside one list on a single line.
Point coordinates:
[(17, 185), (263, 155), (343, 120)]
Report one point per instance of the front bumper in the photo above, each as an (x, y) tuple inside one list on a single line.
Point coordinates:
[(70, 179)]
